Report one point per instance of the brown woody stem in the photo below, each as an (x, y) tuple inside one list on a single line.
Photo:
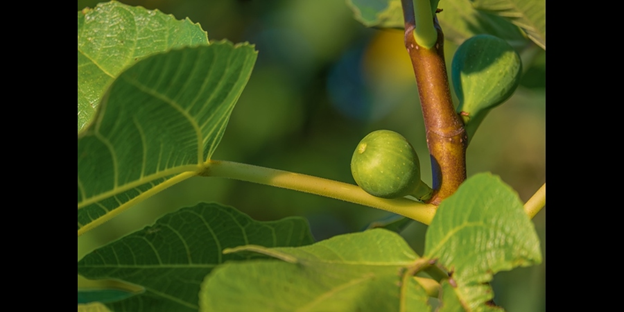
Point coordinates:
[(446, 136)]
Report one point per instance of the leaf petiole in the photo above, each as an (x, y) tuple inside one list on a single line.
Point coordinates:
[(418, 211), (536, 202)]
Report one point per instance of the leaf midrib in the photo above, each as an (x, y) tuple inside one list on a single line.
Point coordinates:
[(139, 182)]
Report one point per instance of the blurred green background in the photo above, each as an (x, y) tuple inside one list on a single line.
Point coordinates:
[(323, 81)]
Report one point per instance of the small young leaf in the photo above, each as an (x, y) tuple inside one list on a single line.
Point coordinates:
[(159, 122), (353, 272), (113, 36), (170, 258), (478, 231)]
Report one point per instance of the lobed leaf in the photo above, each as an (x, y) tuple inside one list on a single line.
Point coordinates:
[(353, 272), (478, 231), (113, 36), (158, 123), (171, 258), (529, 15)]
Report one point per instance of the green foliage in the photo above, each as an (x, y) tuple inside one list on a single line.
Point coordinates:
[(159, 119), (479, 231), (459, 19), (530, 15), (353, 272), (92, 307), (381, 13), (154, 100), (114, 36), (170, 258), (378, 13)]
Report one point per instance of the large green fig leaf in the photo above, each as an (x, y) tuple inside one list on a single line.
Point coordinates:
[(459, 20), (478, 231), (171, 258), (529, 15), (354, 272), (113, 36), (485, 71), (158, 124)]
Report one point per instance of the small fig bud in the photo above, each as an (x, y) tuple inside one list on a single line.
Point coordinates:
[(384, 164)]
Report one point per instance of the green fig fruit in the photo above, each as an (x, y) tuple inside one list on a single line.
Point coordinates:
[(485, 72), (384, 164)]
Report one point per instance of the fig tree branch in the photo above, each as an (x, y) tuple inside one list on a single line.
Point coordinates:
[(446, 136)]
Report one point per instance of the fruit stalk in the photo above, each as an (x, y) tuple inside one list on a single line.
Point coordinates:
[(446, 136)]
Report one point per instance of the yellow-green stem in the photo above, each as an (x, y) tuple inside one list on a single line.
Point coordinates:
[(425, 33), (536, 202), (324, 187)]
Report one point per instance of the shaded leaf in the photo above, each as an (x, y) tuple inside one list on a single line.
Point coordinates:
[(378, 13), (170, 258), (381, 13), (102, 295), (478, 231), (459, 20), (158, 124), (113, 36), (395, 223), (529, 15), (353, 272), (93, 307)]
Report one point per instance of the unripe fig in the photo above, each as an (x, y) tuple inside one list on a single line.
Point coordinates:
[(384, 164), (485, 71)]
